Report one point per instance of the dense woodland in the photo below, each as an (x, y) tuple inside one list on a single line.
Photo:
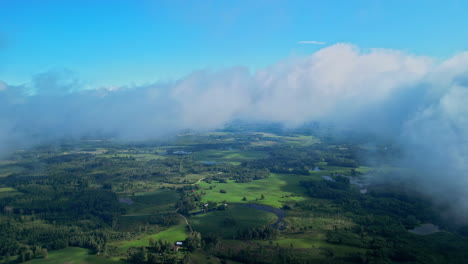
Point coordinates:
[(70, 195)]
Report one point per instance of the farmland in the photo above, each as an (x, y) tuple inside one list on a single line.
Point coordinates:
[(230, 197)]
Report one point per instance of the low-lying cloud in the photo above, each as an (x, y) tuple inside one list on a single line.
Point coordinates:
[(417, 100)]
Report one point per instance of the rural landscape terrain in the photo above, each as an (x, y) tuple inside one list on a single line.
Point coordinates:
[(244, 194), (233, 132)]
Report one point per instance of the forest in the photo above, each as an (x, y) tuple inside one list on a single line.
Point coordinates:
[(230, 196)]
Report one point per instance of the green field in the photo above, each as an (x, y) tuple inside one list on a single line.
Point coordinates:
[(278, 188), (300, 219), (301, 140), (73, 255), (8, 168), (228, 155), (152, 202), (114, 197), (6, 189), (172, 234), (244, 217), (200, 257), (143, 157), (313, 243)]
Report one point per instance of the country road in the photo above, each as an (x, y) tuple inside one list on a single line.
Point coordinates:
[(187, 222), (198, 181)]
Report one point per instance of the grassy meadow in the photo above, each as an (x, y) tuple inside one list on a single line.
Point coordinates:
[(239, 218), (74, 255), (152, 202), (276, 189), (228, 155), (172, 234)]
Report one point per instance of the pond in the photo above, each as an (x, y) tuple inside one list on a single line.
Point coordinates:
[(358, 182), (328, 178), (352, 180), (425, 229), (126, 200)]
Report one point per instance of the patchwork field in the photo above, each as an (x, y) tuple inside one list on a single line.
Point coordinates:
[(276, 189), (228, 155), (152, 202), (118, 196), (8, 168), (309, 242), (74, 255), (8, 191), (172, 234), (143, 157), (226, 223)]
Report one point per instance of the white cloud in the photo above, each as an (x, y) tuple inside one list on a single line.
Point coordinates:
[(3, 86), (334, 82), (415, 99)]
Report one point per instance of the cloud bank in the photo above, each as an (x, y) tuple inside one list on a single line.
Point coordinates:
[(417, 100)]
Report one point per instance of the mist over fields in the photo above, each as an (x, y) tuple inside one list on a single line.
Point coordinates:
[(418, 101)]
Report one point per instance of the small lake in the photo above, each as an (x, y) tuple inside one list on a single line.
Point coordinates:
[(355, 181), (126, 200), (358, 182), (316, 169), (352, 180), (328, 178), (425, 229)]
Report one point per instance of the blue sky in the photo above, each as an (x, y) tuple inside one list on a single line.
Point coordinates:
[(118, 42)]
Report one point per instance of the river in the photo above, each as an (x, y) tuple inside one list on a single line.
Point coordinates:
[(280, 214)]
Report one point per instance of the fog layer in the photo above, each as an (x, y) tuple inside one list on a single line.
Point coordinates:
[(418, 100)]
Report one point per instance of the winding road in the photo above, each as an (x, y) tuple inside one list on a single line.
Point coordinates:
[(199, 181), (187, 222)]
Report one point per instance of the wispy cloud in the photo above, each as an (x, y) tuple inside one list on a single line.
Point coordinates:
[(3, 85), (312, 42)]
